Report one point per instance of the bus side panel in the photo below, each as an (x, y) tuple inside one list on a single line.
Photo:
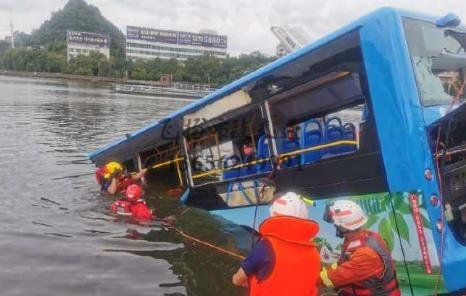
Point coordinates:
[(398, 228), (402, 130)]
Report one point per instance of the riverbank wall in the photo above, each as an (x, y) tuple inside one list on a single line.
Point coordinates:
[(83, 78)]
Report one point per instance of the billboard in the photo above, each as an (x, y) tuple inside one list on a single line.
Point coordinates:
[(87, 38), (176, 37)]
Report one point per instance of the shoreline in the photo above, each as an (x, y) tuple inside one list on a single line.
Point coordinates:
[(82, 78), (68, 77)]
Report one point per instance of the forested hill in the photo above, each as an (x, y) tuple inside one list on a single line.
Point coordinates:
[(76, 15)]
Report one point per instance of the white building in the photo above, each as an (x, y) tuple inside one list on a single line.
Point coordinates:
[(82, 43), (290, 38), (146, 43)]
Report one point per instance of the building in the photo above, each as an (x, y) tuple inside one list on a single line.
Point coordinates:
[(146, 43), (290, 38), (85, 42)]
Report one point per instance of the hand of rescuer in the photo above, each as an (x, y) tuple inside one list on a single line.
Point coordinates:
[(364, 263), (139, 175), (113, 188), (240, 278)]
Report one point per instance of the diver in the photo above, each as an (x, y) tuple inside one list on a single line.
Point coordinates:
[(114, 179), (133, 205), (285, 261)]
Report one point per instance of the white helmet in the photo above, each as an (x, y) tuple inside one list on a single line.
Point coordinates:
[(347, 214), (289, 204)]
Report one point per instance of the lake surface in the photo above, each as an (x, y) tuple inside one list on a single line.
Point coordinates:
[(56, 234)]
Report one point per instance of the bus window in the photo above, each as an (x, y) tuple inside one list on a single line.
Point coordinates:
[(228, 148), (438, 56), (305, 134)]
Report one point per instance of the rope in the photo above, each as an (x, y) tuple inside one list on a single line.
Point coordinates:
[(206, 244)]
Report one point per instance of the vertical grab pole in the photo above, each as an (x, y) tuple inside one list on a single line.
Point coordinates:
[(189, 174), (138, 161), (270, 131), (217, 143)]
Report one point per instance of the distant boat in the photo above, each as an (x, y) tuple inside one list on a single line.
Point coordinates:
[(186, 90)]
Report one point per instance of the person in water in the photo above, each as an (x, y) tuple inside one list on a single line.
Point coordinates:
[(133, 205), (365, 266), (113, 178), (285, 260)]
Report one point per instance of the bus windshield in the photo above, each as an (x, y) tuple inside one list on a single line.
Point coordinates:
[(438, 56)]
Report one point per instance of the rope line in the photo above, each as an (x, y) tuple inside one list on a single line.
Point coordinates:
[(207, 244)]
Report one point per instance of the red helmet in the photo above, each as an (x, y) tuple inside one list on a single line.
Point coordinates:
[(133, 192)]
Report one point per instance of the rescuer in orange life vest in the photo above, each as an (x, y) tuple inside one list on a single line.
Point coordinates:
[(365, 266), (113, 179), (285, 260)]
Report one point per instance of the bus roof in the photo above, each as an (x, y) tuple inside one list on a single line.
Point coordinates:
[(126, 148)]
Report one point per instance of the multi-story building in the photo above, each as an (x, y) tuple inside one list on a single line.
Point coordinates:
[(82, 43), (290, 38), (146, 43)]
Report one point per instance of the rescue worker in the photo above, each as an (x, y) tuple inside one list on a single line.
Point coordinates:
[(113, 179), (365, 266), (133, 205), (285, 260)]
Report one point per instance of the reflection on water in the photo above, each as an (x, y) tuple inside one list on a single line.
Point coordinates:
[(57, 235)]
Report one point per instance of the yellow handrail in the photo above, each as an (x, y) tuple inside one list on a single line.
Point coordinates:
[(158, 165), (313, 148), (280, 157)]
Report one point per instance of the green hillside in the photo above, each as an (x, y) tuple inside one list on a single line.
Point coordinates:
[(77, 15)]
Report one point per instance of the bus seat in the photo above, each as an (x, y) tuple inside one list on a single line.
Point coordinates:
[(263, 152), (248, 170), (229, 162), (311, 136), (349, 131), (286, 145), (333, 132)]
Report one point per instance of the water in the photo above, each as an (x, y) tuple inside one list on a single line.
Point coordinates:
[(57, 237)]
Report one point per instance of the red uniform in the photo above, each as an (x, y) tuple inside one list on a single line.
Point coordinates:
[(123, 183), (297, 261), (365, 267), (140, 211), (137, 210), (101, 175)]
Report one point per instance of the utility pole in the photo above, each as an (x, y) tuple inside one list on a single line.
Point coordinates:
[(12, 34)]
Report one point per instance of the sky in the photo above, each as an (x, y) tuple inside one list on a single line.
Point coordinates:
[(246, 22)]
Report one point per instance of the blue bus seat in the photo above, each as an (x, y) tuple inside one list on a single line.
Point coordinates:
[(349, 132), (229, 162), (333, 133), (263, 152), (250, 169), (286, 145), (311, 136)]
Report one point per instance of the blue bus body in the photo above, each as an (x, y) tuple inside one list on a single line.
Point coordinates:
[(402, 124)]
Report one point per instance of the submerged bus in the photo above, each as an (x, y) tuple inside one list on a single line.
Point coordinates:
[(371, 113)]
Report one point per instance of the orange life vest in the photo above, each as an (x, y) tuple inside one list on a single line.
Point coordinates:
[(384, 285), (297, 263)]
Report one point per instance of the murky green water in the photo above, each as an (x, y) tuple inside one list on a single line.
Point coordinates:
[(57, 237)]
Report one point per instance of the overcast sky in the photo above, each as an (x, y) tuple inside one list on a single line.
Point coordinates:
[(246, 22)]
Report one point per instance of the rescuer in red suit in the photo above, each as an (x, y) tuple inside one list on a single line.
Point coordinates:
[(113, 179), (365, 266), (133, 205)]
